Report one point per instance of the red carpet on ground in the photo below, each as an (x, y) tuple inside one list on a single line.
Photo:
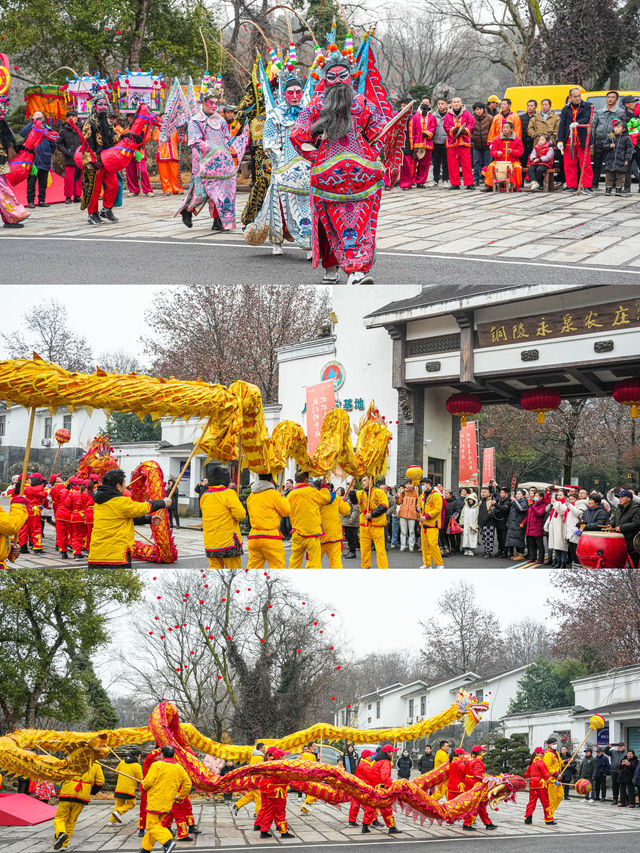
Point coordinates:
[(55, 193), (22, 810)]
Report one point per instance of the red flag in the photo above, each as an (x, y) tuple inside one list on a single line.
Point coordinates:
[(468, 464), (488, 465)]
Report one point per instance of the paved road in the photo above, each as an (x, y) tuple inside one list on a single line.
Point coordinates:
[(581, 829), (43, 260)]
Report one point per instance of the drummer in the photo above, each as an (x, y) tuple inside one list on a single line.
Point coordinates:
[(626, 520)]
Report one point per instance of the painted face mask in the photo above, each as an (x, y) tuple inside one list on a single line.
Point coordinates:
[(336, 75), (293, 95), (102, 106)]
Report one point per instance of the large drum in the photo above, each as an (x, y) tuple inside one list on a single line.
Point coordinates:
[(602, 549)]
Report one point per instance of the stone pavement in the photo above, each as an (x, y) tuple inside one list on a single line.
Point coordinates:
[(597, 231), (325, 824)]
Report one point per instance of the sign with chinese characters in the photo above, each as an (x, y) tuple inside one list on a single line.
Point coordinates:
[(321, 399), (335, 371), (468, 464), (600, 319), (488, 465)]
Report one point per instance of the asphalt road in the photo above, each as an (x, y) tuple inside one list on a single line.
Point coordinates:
[(624, 841), (46, 260)]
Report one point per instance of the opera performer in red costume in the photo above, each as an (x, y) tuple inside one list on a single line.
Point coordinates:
[(421, 129), (337, 133), (99, 132)]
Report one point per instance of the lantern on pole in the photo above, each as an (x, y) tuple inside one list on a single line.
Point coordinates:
[(627, 393), (463, 405), (541, 400)]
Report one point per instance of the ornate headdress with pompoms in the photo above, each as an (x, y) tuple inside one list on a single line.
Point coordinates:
[(334, 56)]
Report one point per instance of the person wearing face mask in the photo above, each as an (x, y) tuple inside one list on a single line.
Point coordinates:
[(287, 205), (554, 766), (215, 160), (421, 130), (558, 542), (440, 166), (534, 527), (337, 133), (99, 132), (404, 765)]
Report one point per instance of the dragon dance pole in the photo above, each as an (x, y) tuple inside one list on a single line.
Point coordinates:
[(25, 464), (191, 455)]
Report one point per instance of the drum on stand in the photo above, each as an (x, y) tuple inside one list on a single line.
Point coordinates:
[(602, 549)]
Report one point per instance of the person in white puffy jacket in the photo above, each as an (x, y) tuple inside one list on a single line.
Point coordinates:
[(469, 522)]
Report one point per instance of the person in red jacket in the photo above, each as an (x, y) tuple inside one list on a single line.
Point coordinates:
[(381, 776), (535, 526), (456, 783), (154, 755), (36, 494), (507, 148), (78, 505), (274, 801), (538, 775), (421, 129), (458, 124), (59, 495), (475, 773), (363, 771)]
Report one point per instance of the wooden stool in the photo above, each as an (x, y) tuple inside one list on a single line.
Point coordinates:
[(548, 184)]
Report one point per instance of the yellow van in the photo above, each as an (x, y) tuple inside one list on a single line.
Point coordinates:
[(599, 98), (519, 95)]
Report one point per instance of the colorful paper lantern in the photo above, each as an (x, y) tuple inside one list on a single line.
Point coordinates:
[(463, 405), (596, 722), (414, 473), (583, 786), (541, 400), (627, 393), (62, 436)]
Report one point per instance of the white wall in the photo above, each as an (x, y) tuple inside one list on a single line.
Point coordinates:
[(437, 430), (622, 685), (84, 426)]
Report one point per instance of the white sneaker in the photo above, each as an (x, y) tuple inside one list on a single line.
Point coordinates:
[(431, 184), (309, 256), (403, 548), (276, 249), (439, 567), (359, 278), (534, 185), (446, 185), (331, 275), (116, 814)]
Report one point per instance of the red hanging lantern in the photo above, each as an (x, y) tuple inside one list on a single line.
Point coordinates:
[(463, 405), (627, 393), (541, 400)]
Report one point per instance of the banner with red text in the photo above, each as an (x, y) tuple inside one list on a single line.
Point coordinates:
[(321, 398), (488, 465), (468, 464)]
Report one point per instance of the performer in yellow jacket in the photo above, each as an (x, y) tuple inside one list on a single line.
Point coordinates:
[(332, 537), (114, 515), (10, 524), (221, 514), (430, 510), (306, 524), (373, 504), (126, 786), (309, 753), (73, 797), (554, 766), (257, 757), (165, 783), (441, 757), (266, 507)]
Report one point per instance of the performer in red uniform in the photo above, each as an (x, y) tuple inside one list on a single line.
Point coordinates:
[(538, 776), (363, 771), (456, 783), (336, 133), (154, 755), (381, 775), (475, 773), (36, 495), (59, 496), (506, 148), (458, 124), (78, 504), (274, 801), (421, 129)]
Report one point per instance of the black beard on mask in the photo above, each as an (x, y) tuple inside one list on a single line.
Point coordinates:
[(335, 116)]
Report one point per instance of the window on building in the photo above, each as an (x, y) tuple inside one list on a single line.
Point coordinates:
[(377, 710), (423, 705), (479, 694), (3, 425), (47, 427), (411, 707), (368, 707), (435, 470), (66, 422)]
